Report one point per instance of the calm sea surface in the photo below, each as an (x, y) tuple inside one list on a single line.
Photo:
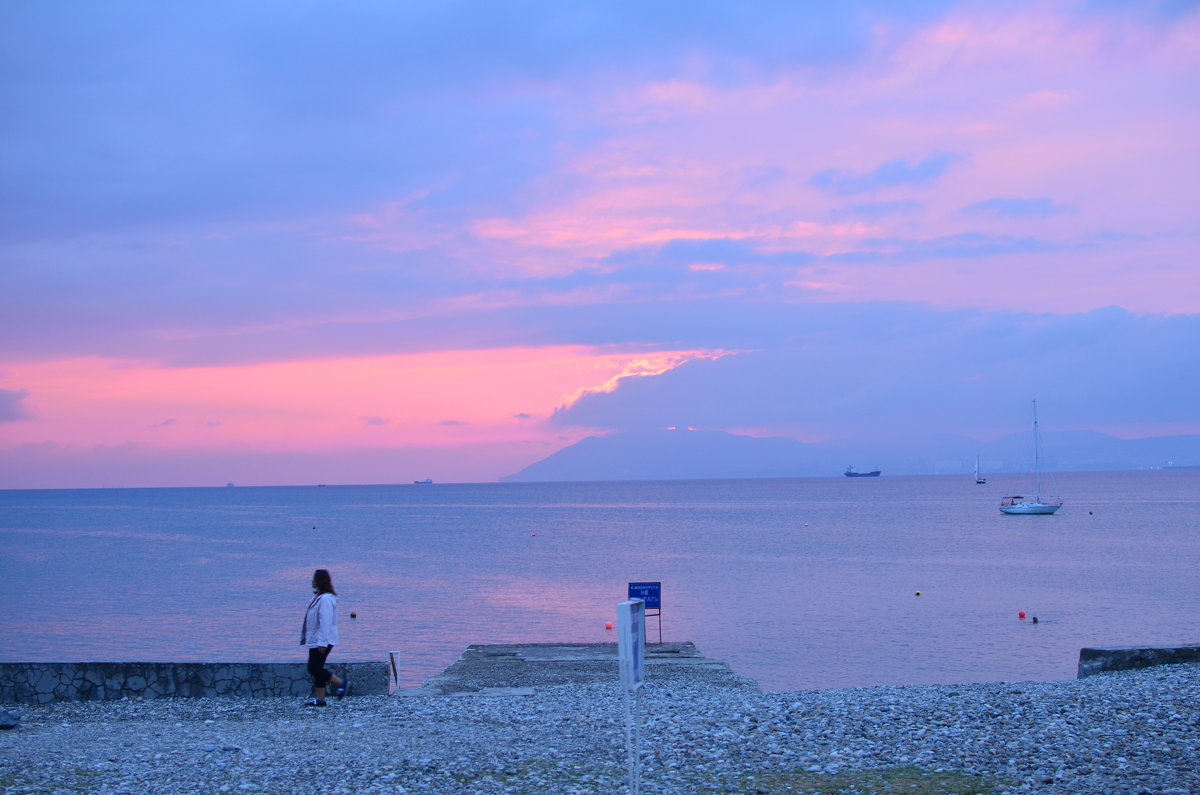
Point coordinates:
[(805, 583)]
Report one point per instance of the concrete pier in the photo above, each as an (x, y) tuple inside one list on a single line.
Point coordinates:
[(515, 669)]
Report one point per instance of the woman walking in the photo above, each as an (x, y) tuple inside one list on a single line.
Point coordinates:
[(320, 635)]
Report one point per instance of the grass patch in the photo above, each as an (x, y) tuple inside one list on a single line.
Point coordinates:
[(574, 779), (894, 781), (85, 781)]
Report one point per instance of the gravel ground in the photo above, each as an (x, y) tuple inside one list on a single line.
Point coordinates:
[(1127, 732)]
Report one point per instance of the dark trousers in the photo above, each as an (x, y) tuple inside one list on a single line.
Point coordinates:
[(316, 665)]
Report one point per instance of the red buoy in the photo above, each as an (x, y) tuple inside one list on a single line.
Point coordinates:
[(608, 625), (1021, 615)]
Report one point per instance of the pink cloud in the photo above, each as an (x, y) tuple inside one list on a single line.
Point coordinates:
[(1025, 95), (318, 404)]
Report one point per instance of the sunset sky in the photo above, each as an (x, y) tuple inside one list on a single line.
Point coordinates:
[(369, 242)]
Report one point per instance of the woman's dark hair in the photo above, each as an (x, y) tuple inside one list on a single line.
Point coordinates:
[(323, 582)]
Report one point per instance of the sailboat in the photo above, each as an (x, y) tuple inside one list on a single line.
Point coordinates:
[(1023, 504), (978, 480)]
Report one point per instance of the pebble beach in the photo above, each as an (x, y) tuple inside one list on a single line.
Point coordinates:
[(1124, 732)]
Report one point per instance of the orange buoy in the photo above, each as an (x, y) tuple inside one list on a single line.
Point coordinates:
[(1021, 615), (608, 625)]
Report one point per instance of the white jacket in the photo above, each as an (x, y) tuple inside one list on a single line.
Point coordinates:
[(320, 622)]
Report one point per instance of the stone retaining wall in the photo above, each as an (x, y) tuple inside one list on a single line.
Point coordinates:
[(1123, 658), (42, 682)]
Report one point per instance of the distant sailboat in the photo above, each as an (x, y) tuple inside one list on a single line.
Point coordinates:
[(978, 480), (1021, 504)]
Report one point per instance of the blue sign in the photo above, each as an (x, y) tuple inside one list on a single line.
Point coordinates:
[(648, 592)]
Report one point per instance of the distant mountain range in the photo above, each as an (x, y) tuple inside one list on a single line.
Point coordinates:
[(687, 455)]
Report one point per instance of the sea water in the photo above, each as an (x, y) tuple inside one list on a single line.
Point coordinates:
[(797, 583)]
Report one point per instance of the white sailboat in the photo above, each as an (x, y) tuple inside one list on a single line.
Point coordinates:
[(1024, 504), (978, 480)]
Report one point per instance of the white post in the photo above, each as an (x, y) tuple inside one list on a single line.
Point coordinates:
[(631, 656), (393, 672)]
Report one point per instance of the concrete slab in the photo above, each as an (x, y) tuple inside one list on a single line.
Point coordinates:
[(1126, 658), (518, 669)]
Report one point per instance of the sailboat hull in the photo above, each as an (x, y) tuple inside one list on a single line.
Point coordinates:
[(1029, 508)]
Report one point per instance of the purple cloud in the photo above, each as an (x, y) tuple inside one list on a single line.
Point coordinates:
[(691, 251), (873, 211), (10, 405), (894, 369), (271, 130), (967, 245), (894, 173), (1018, 208)]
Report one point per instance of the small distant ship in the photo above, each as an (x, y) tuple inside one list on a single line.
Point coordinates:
[(850, 473), (425, 482)]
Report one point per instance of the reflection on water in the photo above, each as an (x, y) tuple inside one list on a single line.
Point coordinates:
[(807, 583)]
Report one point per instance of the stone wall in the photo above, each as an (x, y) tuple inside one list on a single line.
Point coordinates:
[(42, 682), (1124, 658)]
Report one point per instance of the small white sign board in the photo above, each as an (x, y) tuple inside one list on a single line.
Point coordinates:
[(631, 643)]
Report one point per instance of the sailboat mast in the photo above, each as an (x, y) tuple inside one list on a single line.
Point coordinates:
[(1037, 464)]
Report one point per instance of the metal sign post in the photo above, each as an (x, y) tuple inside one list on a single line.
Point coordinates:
[(651, 594), (631, 657)]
